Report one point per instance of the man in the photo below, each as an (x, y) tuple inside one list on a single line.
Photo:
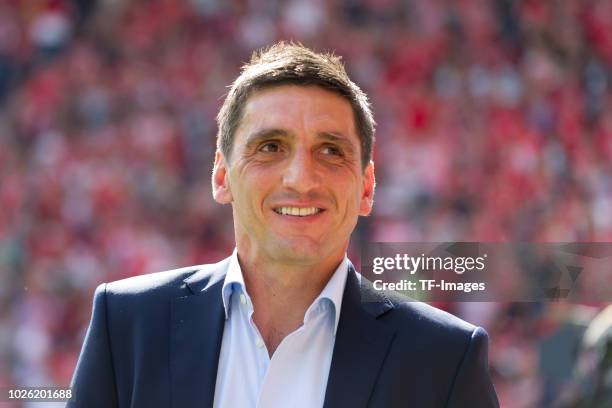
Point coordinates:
[(281, 323)]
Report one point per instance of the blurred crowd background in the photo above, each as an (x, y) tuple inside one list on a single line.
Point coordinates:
[(494, 124)]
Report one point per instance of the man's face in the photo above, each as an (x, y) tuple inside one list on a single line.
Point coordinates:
[(295, 177)]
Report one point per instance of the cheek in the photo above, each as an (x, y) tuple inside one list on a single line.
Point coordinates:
[(249, 195), (349, 197)]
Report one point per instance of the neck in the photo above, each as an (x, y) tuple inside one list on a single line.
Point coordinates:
[(281, 293)]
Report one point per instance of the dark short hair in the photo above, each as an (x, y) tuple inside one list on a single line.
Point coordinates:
[(293, 64)]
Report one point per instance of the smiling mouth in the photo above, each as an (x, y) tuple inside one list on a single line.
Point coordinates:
[(298, 212)]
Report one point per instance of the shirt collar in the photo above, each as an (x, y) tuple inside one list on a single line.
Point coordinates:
[(233, 281), (333, 290)]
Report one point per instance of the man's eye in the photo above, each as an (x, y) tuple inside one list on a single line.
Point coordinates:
[(270, 147), (331, 150)]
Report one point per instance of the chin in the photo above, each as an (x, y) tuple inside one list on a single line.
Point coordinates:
[(299, 250)]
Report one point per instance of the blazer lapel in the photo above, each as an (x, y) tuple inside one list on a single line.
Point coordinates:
[(361, 346), (196, 334)]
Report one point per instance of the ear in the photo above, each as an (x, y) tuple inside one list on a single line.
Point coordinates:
[(220, 181), (367, 196)]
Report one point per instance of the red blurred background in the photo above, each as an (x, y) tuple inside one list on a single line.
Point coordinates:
[(494, 125)]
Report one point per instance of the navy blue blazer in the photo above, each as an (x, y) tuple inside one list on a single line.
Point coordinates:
[(154, 341)]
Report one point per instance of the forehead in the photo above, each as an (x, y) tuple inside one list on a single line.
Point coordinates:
[(294, 107)]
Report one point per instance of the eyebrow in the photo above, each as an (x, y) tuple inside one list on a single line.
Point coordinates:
[(264, 134)]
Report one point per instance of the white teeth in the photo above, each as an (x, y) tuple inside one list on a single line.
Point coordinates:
[(300, 212)]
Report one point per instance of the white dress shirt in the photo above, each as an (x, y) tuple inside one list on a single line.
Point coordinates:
[(296, 375)]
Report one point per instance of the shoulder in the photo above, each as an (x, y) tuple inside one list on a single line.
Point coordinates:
[(428, 328), (408, 312), (406, 315), (156, 289), (164, 281), (170, 282), (145, 300), (453, 351)]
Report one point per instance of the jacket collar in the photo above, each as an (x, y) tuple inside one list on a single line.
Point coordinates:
[(362, 343), (197, 321), (196, 332), (207, 276)]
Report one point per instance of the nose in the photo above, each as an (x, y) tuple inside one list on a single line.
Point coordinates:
[(301, 174)]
